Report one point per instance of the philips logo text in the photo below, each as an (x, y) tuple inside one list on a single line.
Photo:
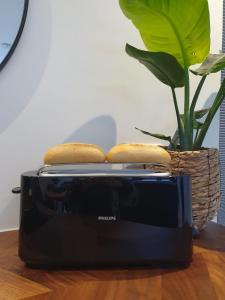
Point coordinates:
[(107, 218)]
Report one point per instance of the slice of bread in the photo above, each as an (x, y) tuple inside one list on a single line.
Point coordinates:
[(71, 153), (138, 153)]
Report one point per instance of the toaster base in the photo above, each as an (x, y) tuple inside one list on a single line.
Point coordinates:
[(70, 242)]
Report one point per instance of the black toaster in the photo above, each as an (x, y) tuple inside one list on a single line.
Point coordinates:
[(104, 215)]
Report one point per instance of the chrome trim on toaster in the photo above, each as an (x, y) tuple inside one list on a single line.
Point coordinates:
[(107, 175), (103, 170)]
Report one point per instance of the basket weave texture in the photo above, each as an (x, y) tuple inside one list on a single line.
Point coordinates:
[(203, 167)]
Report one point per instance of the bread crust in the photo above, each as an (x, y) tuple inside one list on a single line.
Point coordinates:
[(138, 153), (70, 153)]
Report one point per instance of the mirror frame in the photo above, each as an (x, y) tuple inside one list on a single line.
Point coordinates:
[(17, 38)]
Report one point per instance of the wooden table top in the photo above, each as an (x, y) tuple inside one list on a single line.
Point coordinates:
[(204, 279)]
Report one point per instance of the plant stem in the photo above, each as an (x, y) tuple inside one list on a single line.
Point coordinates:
[(193, 104), (196, 135), (179, 121), (216, 104), (188, 133), (196, 95)]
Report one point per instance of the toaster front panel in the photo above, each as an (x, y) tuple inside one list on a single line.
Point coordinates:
[(147, 201), (104, 220)]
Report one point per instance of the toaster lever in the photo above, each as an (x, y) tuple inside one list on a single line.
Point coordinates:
[(16, 190)]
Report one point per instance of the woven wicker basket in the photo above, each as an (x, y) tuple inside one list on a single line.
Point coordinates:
[(203, 166)]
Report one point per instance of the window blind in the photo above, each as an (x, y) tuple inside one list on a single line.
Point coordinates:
[(221, 212)]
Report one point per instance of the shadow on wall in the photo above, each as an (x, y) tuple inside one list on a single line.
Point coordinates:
[(209, 101), (101, 131), (21, 76)]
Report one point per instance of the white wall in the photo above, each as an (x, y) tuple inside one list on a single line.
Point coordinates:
[(70, 80)]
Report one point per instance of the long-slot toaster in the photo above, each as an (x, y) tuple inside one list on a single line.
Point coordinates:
[(104, 215)]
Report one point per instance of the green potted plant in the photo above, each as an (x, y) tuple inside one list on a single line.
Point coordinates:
[(176, 34)]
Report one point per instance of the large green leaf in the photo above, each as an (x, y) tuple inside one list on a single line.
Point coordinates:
[(156, 135), (160, 136), (164, 66), (213, 63), (178, 27)]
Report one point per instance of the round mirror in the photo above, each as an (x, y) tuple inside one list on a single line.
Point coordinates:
[(12, 19)]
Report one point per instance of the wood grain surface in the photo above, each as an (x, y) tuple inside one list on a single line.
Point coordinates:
[(204, 279)]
